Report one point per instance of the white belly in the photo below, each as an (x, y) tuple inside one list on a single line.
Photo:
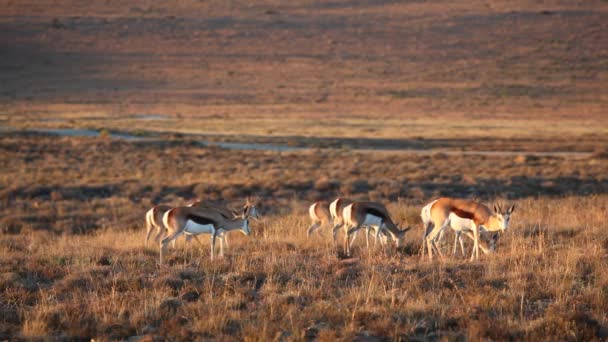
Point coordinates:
[(372, 220), (193, 228), (460, 224)]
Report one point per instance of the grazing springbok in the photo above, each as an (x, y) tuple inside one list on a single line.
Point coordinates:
[(478, 213), (320, 216), (154, 218), (336, 209), (459, 225), (371, 214), (221, 207), (201, 220)]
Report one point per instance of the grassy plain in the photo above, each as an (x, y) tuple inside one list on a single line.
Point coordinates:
[(336, 76), (73, 262), (310, 68)]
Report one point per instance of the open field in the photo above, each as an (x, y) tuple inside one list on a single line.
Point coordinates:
[(73, 262), (273, 69), (399, 102)]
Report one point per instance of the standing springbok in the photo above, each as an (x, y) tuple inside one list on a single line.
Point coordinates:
[(459, 225), (372, 214), (320, 216), (154, 218), (197, 220), (478, 213)]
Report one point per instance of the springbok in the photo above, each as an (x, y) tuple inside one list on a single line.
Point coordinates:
[(154, 218), (477, 212), (371, 214), (199, 220), (221, 207), (459, 225), (336, 208), (320, 216)]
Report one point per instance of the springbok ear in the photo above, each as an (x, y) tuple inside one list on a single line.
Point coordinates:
[(496, 209), (511, 209)]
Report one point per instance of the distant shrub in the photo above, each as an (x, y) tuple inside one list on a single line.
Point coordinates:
[(56, 195), (359, 186), (10, 225), (416, 192), (325, 184), (231, 192), (169, 281), (525, 159), (600, 154), (139, 133), (205, 190), (104, 133), (168, 308)]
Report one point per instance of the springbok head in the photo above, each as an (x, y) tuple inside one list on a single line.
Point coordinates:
[(249, 210), (503, 216), (399, 236)]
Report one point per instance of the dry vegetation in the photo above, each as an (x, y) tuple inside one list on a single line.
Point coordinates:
[(336, 75), (73, 263), (272, 68)]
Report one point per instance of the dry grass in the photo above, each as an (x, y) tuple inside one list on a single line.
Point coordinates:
[(483, 69), (520, 75), (47, 180), (78, 267), (547, 281)]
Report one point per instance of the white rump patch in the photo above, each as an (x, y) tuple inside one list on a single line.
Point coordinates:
[(425, 213), (311, 212), (347, 213), (193, 228), (332, 209)]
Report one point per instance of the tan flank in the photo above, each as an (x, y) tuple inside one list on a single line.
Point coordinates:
[(478, 213), (460, 226)]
